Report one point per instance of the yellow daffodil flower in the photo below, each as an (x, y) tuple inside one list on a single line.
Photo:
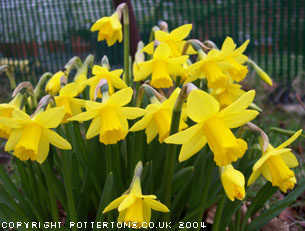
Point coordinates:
[(112, 77), (213, 127), (217, 65), (110, 117), (174, 40), (233, 182), (30, 137), (161, 67), (158, 117), (109, 29), (235, 58), (135, 208), (210, 69), (6, 110), (228, 94), (53, 86), (275, 165), (67, 100)]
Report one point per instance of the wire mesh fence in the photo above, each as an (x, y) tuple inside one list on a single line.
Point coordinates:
[(42, 35)]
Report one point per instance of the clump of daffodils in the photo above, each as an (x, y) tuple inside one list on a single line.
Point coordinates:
[(185, 116)]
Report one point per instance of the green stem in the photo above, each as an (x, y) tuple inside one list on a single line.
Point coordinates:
[(208, 178), (137, 150), (218, 214), (50, 185), (126, 44), (108, 159), (68, 185), (43, 79), (171, 152), (178, 81), (238, 215)]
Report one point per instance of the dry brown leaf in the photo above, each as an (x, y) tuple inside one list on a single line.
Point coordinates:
[(276, 224)]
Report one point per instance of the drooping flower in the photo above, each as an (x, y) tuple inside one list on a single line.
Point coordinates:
[(31, 137), (112, 77), (275, 165), (109, 29), (6, 110), (235, 59), (67, 100), (213, 127), (233, 182), (228, 94), (174, 40), (210, 69), (161, 68), (217, 65), (54, 84), (135, 208), (110, 117), (158, 117)]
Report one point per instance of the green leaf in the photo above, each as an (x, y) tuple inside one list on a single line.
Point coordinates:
[(181, 176), (105, 199), (278, 207), (258, 202), (228, 212)]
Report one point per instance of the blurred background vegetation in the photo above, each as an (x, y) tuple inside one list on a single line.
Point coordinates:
[(41, 35)]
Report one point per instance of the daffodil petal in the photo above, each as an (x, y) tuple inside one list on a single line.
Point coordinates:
[(201, 105), (145, 69), (13, 139), (266, 173), (146, 213), (136, 187), (162, 51), (118, 83), (290, 140), (242, 48), (98, 70), (192, 146), (20, 115), (184, 136), (43, 150), (69, 90), (114, 204), (127, 202), (156, 205), (131, 112), (181, 32), (149, 48), (290, 160), (11, 123), (237, 119), (50, 118), (239, 105), (169, 103), (253, 177), (122, 215), (151, 132), (84, 116), (56, 139), (142, 123), (161, 35), (91, 105), (94, 128), (228, 45), (121, 98)]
